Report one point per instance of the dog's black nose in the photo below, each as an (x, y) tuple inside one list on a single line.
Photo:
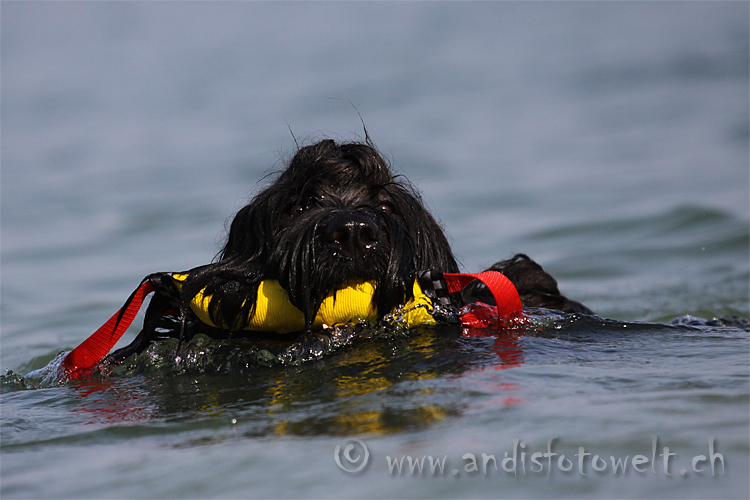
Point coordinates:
[(351, 233)]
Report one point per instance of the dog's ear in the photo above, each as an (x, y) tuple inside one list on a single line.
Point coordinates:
[(426, 247), (431, 247), (251, 231), (234, 278)]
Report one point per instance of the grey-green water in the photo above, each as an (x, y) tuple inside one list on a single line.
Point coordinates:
[(607, 140)]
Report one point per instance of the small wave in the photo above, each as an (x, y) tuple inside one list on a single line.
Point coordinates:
[(729, 321), (51, 375)]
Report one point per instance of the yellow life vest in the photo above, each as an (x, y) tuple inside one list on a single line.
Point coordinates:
[(352, 304)]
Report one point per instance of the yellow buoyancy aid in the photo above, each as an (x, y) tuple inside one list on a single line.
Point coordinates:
[(352, 304)]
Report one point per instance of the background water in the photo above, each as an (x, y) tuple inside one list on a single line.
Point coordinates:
[(607, 140)]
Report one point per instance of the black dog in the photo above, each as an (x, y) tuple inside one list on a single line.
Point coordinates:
[(337, 214)]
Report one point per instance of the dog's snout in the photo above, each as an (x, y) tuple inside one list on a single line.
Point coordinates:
[(351, 233)]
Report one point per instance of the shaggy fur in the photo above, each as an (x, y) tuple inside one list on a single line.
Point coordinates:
[(337, 214)]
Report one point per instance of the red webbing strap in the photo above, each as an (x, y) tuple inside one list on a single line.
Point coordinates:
[(80, 360), (506, 296)]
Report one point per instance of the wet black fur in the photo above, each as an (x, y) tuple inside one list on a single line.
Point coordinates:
[(285, 233), (279, 235)]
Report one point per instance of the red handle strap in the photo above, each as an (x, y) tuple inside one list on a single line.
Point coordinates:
[(79, 361), (503, 291)]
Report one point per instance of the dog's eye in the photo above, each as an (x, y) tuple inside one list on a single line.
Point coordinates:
[(296, 210), (386, 208)]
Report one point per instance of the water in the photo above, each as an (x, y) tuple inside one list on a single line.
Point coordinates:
[(607, 140)]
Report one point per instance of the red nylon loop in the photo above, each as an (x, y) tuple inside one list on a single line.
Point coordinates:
[(504, 292), (79, 361)]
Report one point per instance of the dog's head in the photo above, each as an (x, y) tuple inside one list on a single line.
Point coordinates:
[(336, 215)]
